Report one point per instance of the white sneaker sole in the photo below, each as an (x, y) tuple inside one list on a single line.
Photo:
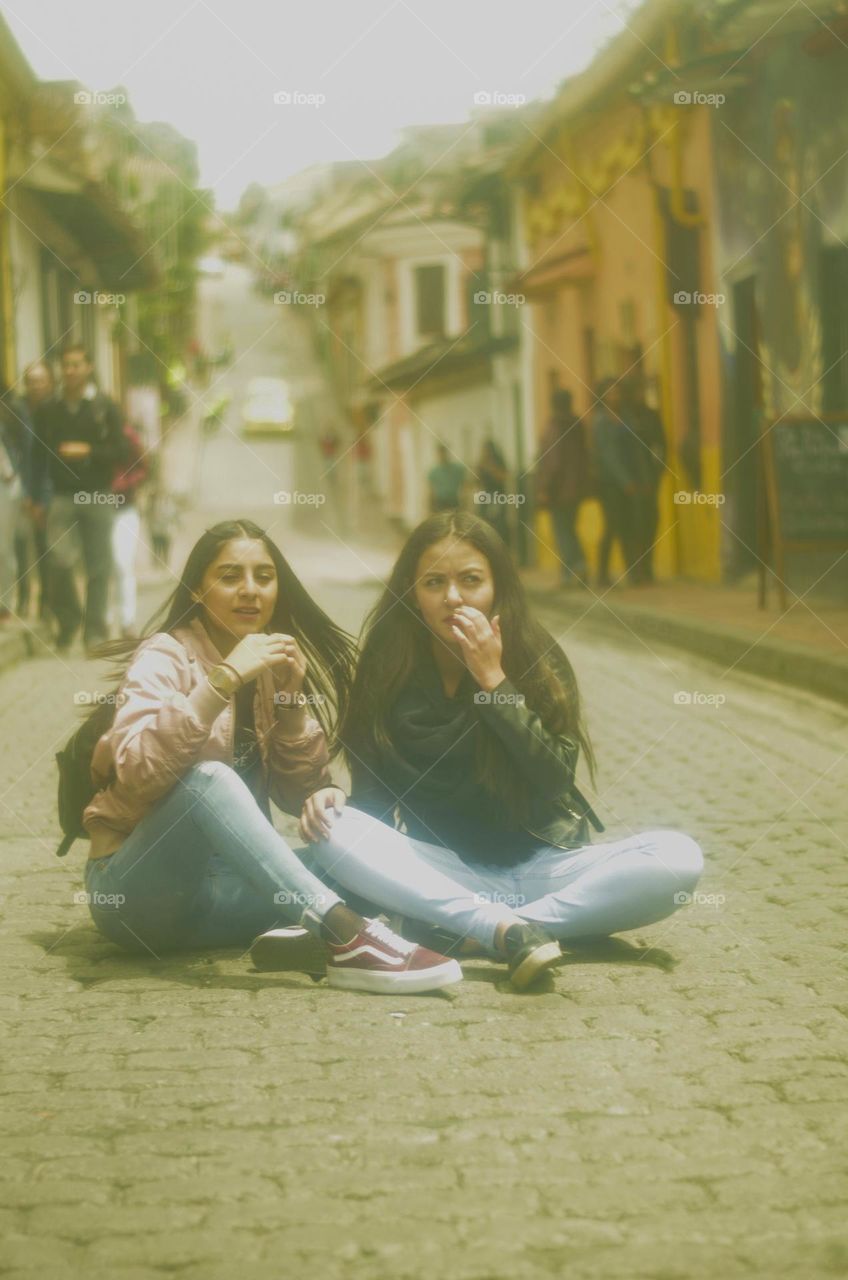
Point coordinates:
[(389, 984), (538, 961)]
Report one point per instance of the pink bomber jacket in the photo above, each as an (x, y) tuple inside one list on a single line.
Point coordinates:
[(169, 718)]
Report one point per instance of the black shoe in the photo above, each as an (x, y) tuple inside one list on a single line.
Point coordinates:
[(278, 950), (529, 952), (433, 937)]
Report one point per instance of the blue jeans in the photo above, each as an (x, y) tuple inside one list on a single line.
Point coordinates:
[(77, 530), (203, 869), (573, 893)]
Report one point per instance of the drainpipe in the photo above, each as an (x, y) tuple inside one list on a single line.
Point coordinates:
[(687, 219), (678, 205), (7, 355), (666, 363)]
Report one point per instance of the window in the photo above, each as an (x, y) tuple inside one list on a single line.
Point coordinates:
[(430, 300)]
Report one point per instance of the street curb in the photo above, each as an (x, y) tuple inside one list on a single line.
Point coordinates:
[(20, 642), (803, 668)]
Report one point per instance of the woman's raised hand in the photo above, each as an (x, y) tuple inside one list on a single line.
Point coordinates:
[(281, 654), (481, 645), (316, 819), (290, 674)]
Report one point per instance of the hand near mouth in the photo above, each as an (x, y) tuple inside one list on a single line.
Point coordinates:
[(290, 672), (481, 645), (277, 652)]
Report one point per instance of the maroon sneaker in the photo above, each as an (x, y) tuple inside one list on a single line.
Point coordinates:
[(382, 962)]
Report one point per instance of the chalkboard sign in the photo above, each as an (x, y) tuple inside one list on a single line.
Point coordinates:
[(805, 469), (811, 478)]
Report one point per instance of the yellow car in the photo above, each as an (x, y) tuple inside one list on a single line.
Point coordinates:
[(268, 408)]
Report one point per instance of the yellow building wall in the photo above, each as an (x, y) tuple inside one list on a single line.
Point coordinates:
[(615, 213)]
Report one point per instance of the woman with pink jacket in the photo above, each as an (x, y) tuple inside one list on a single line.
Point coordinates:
[(213, 719)]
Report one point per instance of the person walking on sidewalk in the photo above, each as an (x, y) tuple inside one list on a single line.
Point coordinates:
[(619, 467), (446, 481), (11, 499), (562, 483), (465, 725), (647, 427), (31, 535), (126, 529), (162, 513), (79, 442), (492, 479), (211, 722)]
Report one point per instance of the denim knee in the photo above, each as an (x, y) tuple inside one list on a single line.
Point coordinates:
[(680, 855), (350, 828), (200, 778)]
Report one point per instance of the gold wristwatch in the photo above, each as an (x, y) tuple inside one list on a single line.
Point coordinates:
[(225, 680)]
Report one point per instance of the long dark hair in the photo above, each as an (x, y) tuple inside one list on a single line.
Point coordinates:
[(395, 642), (330, 652)]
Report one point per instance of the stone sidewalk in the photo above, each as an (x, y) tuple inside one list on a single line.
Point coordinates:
[(804, 645), (671, 1106)]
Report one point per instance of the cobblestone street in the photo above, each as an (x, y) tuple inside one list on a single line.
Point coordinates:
[(671, 1106)]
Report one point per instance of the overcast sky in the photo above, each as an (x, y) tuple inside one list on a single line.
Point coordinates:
[(212, 67)]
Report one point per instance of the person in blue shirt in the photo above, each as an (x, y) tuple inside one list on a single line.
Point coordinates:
[(446, 482)]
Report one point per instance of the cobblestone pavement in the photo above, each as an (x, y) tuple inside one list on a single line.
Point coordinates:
[(672, 1105)]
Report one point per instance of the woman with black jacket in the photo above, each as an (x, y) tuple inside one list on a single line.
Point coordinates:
[(464, 726)]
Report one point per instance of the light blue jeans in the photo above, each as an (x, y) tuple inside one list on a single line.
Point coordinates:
[(204, 868), (592, 891)]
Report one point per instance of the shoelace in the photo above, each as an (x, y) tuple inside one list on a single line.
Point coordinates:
[(382, 933)]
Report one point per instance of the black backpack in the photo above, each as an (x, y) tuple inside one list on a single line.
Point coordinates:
[(76, 787)]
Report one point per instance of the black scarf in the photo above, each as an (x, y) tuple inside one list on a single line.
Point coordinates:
[(434, 736)]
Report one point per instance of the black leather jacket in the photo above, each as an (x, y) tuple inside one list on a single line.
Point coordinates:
[(560, 813), (447, 797)]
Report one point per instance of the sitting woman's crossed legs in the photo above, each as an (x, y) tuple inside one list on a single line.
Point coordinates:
[(599, 889)]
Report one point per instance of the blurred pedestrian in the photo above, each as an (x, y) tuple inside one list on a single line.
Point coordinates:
[(619, 465), (126, 529), (162, 516), (647, 427), (78, 443), (562, 483), (11, 495), (491, 472), (446, 481), (329, 443), (363, 452), (31, 534)]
